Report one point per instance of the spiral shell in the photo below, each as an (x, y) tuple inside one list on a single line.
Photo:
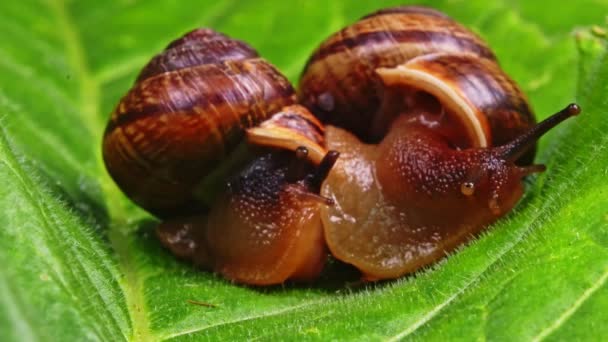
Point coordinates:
[(346, 78), (181, 124)]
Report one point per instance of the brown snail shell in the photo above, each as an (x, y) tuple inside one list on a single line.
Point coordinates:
[(350, 77), (183, 120)]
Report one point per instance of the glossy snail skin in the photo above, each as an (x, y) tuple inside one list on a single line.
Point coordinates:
[(422, 115), (406, 202), (266, 228)]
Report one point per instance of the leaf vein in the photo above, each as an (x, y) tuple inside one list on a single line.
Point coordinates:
[(567, 314), (49, 221), (245, 319), (89, 105)]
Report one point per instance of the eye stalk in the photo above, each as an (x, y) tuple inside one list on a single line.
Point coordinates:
[(530, 169), (322, 171), (496, 167), (299, 171), (299, 168), (519, 145)]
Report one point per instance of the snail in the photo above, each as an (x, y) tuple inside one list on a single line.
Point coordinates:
[(242, 202), (418, 142), (434, 138)]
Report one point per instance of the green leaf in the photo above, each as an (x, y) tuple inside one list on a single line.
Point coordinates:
[(80, 261)]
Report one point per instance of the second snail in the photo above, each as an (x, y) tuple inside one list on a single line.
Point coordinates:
[(404, 140)]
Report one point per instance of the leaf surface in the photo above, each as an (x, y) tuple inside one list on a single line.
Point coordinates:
[(80, 261)]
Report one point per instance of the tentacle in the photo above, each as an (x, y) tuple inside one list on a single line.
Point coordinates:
[(518, 146)]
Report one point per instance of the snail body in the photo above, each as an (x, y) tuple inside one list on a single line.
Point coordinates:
[(433, 140), (266, 227)]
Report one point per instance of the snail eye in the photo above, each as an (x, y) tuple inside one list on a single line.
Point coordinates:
[(467, 188)]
